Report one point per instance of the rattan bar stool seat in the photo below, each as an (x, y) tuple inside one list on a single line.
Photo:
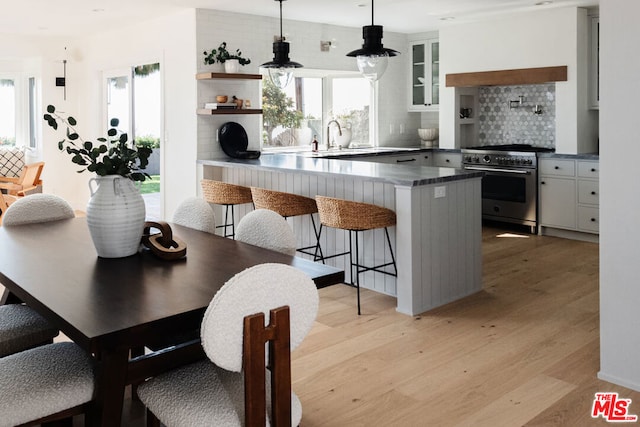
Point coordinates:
[(357, 217), (227, 195), (288, 205)]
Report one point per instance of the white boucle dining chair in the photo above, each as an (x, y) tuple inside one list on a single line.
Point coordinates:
[(21, 327), (267, 229), (45, 384), (211, 392), (37, 208), (195, 213)]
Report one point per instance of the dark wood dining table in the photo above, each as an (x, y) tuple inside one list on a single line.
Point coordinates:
[(112, 306)]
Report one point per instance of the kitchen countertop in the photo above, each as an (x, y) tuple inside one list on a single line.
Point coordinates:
[(584, 156), (403, 175)]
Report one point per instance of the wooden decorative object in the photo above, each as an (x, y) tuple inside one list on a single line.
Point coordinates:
[(521, 76), (163, 245)]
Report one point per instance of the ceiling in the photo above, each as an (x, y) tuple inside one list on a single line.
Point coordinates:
[(74, 17)]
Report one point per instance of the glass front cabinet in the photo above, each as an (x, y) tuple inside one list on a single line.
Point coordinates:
[(424, 89)]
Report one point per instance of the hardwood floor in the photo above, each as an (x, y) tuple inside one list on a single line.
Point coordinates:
[(523, 351)]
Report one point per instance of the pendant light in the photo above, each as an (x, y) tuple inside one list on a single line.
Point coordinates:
[(281, 68), (373, 57)]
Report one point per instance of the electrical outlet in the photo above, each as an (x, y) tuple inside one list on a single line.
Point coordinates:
[(440, 192)]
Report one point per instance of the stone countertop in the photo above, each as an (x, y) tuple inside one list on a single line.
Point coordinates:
[(402, 175), (584, 156)]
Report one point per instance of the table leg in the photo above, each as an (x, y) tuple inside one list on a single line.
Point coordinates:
[(110, 385)]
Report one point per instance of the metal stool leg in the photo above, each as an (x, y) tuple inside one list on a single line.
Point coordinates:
[(318, 249), (357, 266)]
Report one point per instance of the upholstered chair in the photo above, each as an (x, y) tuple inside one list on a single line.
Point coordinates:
[(212, 392), (21, 327), (267, 229), (195, 213), (45, 384)]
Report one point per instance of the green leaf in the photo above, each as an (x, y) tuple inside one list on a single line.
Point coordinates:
[(88, 145), (124, 137), (114, 122), (112, 132), (73, 136), (72, 121), (51, 109)]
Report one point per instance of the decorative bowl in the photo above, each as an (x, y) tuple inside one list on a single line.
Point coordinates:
[(429, 134), (222, 99)]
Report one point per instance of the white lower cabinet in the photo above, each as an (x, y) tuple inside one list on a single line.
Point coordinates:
[(557, 202), (569, 194), (447, 160)]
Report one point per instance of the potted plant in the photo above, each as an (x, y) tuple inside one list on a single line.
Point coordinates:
[(116, 210), (231, 61)]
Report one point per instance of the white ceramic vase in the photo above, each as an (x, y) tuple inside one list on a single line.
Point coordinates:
[(231, 66), (115, 215)]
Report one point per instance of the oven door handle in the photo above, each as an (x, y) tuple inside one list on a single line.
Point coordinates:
[(514, 171)]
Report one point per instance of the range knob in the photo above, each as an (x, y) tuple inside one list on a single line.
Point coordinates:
[(486, 158)]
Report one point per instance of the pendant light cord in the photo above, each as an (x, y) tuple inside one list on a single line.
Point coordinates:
[(371, 12), (281, 39)]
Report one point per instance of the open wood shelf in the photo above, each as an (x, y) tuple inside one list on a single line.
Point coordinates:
[(211, 112), (231, 76)]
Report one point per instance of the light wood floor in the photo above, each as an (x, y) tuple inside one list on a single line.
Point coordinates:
[(523, 351)]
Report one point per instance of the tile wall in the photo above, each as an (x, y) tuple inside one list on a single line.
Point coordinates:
[(502, 123)]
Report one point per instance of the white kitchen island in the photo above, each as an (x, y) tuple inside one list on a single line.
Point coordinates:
[(439, 226)]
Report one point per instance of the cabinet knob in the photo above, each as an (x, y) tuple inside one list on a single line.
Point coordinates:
[(593, 193), (593, 220), (556, 167), (542, 183), (593, 169), (447, 160)]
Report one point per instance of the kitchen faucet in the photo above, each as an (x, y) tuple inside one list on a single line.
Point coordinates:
[(328, 132)]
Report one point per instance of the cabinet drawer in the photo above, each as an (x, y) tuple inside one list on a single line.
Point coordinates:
[(557, 167), (588, 169), (589, 219), (447, 160), (588, 192)]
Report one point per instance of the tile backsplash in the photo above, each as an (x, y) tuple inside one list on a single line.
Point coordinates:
[(503, 119)]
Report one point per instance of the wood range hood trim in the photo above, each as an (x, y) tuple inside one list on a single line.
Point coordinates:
[(522, 76)]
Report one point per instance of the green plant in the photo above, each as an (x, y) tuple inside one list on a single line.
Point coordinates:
[(222, 54), (148, 141), (114, 156), (277, 109)]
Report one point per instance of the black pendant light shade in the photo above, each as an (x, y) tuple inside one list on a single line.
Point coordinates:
[(372, 57), (281, 67), (372, 35)]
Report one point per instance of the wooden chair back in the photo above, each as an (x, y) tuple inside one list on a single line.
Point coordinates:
[(256, 335)]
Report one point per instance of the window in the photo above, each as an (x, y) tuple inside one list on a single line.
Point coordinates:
[(302, 110), (8, 110)]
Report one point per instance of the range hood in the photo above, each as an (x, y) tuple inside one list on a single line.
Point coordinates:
[(522, 76)]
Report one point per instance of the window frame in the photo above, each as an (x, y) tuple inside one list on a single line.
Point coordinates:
[(327, 77)]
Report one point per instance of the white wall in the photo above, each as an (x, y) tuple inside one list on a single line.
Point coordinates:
[(253, 35), (169, 40), (620, 197), (536, 39)]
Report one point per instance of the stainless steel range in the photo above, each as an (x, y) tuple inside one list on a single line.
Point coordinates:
[(510, 184)]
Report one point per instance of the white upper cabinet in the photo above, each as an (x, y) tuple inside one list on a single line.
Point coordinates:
[(424, 76)]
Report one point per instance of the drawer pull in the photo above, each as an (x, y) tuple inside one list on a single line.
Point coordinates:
[(405, 160)]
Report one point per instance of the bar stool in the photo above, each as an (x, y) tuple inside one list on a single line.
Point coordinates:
[(357, 217), (228, 195), (288, 205)]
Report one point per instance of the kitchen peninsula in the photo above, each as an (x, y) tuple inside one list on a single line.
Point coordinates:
[(438, 232)]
